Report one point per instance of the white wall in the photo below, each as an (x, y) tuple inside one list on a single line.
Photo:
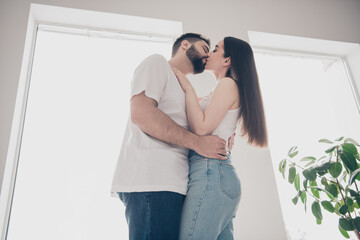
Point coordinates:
[(259, 213)]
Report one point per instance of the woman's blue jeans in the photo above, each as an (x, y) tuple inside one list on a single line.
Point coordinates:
[(211, 201)]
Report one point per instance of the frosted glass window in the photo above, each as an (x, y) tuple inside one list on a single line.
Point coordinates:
[(306, 99), (76, 112)]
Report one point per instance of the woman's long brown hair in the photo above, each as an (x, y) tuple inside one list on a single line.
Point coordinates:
[(243, 71)]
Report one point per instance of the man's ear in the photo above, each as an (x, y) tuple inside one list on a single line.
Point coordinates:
[(185, 44), (227, 62)]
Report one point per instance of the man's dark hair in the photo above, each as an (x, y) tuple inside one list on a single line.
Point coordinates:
[(191, 37)]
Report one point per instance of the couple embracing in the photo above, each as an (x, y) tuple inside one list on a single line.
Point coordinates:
[(174, 173)]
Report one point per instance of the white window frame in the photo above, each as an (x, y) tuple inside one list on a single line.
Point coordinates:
[(348, 53), (76, 19), (313, 48)]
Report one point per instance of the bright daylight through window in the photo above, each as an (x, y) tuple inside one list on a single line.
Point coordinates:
[(306, 99), (76, 113)]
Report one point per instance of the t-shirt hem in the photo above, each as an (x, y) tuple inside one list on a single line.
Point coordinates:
[(144, 188)]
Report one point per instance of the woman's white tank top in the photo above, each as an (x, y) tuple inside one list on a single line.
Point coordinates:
[(229, 123)]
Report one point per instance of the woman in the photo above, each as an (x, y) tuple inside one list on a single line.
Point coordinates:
[(214, 187)]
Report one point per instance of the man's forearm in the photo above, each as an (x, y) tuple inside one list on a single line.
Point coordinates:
[(151, 120), (157, 124), (162, 127)]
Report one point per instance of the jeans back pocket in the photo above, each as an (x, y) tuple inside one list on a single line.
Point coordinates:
[(229, 181)]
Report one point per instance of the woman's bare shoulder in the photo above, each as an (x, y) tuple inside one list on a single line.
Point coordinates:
[(226, 84), (227, 81)]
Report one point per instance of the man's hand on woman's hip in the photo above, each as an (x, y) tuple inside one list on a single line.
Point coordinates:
[(211, 147)]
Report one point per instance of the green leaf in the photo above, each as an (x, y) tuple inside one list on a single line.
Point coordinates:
[(316, 210), (337, 208), (313, 184), (345, 174), (344, 209), (328, 206), (331, 188), (305, 183), (284, 168), (351, 208), (303, 197), (354, 193), (318, 221), (357, 199), (353, 176), (330, 150), (310, 174), (349, 202), (349, 140), (324, 181), (339, 139), (330, 196), (335, 169), (293, 152), (292, 173), (356, 223), (346, 224), (310, 163), (281, 165), (325, 141), (349, 161), (343, 232), (325, 191), (350, 148), (323, 167), (356, 205), (296, 198), (305, 159), (297, 182)]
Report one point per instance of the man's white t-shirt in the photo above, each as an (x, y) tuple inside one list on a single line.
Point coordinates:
[(145, 163)]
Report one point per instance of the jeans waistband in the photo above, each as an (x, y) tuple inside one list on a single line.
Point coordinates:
[(194, 156)]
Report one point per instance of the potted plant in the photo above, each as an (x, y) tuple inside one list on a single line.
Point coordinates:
[(329, 183)]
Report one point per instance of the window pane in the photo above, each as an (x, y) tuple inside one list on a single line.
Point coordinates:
[(77, 109), (306, 99)]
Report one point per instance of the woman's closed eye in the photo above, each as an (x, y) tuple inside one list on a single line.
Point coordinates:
[(215, 48)]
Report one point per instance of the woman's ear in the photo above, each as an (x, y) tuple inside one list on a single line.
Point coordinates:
[(227, 62)]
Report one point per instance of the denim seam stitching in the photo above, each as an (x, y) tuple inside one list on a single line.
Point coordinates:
[(148, 216), (200, 202)]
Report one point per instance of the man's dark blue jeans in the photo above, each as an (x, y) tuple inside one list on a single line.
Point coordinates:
[(153, 215)]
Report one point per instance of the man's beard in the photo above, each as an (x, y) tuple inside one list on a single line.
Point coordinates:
[(196, 59)]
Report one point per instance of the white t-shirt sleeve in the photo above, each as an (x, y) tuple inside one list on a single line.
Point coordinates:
[(150, 76)]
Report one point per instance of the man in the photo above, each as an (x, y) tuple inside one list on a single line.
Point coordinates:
[(152, 172)]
